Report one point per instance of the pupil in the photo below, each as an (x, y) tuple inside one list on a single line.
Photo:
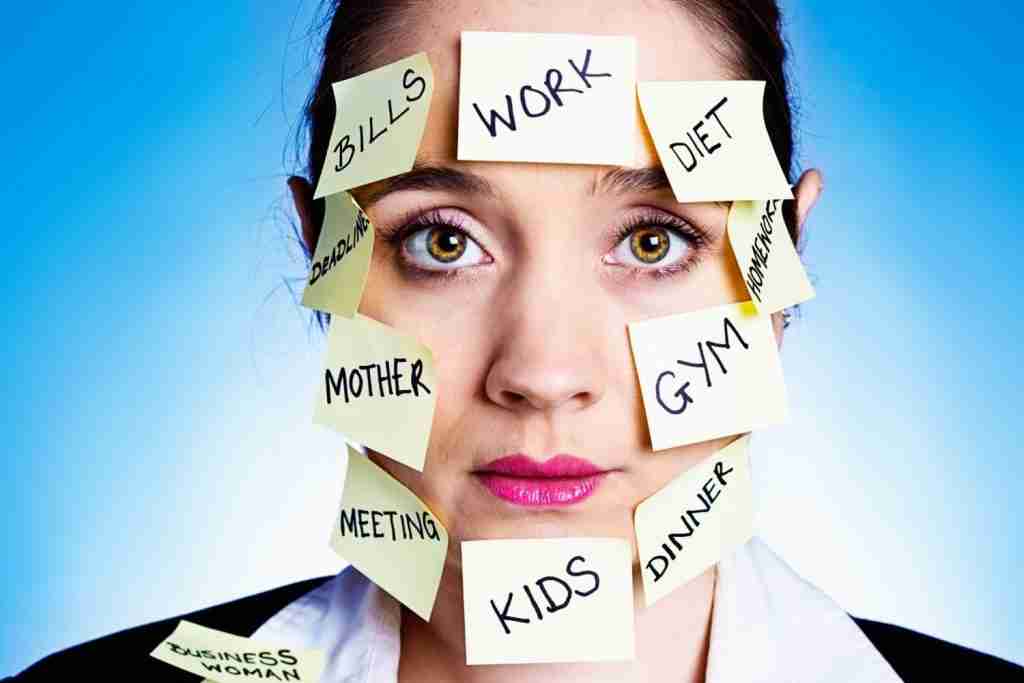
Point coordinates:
[(449, 242)]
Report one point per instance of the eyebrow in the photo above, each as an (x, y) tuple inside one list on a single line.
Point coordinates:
[(429, 176), (426, 176), (622, 180)]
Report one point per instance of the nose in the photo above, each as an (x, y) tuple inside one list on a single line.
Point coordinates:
[(549, 355)]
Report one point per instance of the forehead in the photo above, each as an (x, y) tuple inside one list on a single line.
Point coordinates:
[(670, 44)]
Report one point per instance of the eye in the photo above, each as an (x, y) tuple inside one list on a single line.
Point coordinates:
[(437, 241), (651, 244)]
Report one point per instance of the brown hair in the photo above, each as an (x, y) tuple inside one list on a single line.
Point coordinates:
[(751, 43)]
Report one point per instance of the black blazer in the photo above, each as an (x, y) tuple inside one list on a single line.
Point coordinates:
[(914, 656)]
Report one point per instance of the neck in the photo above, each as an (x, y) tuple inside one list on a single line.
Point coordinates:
[(672, 638)]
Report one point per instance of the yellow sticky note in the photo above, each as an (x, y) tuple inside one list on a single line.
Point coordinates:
[(695, 520), (342, 258), (378, 123), (226, 658), (771, 267), (547, 600), (547, 97), (379, 389), (712, 140), (389, 535), (706, 374)]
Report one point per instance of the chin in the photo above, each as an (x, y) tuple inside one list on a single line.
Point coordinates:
[(509, 521)]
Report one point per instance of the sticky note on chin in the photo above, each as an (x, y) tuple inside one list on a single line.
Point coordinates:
[(342, 258), (548, 97), (707, 374), (378, 389), (768, 260), (378, 124), (389, 535), (547, 600), (226, 658), (694, 521), (712, 141)]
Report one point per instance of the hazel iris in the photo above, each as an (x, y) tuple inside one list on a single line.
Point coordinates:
[(446, 245), (649, 244)]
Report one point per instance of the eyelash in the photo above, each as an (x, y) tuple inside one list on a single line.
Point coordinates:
[(696, 238), (413, 222)]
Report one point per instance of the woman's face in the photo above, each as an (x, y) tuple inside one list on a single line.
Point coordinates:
[(521, 278)]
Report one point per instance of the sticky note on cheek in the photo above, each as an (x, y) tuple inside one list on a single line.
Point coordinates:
[(378, 124), (712, 140), (378, 389), (342, 259), (547, 97), (768, 260), (389, 535), (695, 520), (226, 658), (707, 374), (547, 600)]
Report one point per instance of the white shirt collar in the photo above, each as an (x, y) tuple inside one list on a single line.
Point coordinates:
[(767, 625)]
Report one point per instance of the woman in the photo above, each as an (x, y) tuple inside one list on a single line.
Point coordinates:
[(531, 272)]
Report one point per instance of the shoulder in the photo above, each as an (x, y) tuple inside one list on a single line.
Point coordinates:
[(128, 650), (916, 656)]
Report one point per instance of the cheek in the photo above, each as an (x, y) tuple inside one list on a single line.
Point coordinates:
[(443, 482), (443, 479), (717, 279), (424, 308), (714, 281), (452, 323), (460, 367)]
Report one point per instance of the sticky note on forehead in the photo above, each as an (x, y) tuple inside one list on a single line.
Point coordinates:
[(342, 258), (771, 267), (379, 388), (227, 658), (547, 600), (707, 374), (712, 141), (698, 518), (378, 123), (547, 97), (389, 535)]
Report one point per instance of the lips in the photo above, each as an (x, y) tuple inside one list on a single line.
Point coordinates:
[(521, 480)]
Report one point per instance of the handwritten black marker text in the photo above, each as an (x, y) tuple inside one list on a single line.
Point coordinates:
[(689, 153), (387, 377), (398, 526), (340, 250), (659, 563), (264, 660), (536, 102), (761, 247), (703, 349), (545, 586), (346, 150)]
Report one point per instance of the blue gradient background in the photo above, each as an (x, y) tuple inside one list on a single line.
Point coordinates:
[(158, 377)]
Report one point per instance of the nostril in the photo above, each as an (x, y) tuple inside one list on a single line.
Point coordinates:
[(514, 399), (549, 385)]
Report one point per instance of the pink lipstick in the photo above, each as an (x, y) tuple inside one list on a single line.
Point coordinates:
[(561, 480)]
